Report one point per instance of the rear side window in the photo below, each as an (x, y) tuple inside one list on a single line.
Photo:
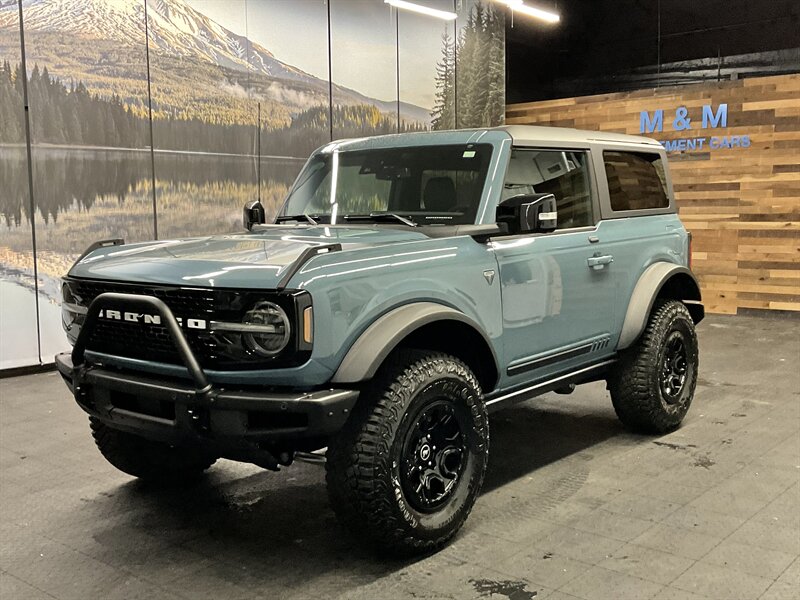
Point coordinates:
[(636, 180)]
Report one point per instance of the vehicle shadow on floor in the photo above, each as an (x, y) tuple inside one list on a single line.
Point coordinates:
[(527, 437), (269, 530)]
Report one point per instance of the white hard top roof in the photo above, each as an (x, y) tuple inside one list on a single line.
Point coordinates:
[(521, 135), (538, 134)]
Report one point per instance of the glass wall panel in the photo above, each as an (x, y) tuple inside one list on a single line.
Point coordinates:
[(289, 87), (427, 68), (89, 130), (203, 119), (19, 345), (237, 70), (480, 64), (364, 68)]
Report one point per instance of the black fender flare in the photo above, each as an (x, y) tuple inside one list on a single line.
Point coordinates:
[(651, 282), (372, 347)]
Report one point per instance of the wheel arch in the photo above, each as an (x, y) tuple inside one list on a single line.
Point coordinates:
[(660, 280), (425, 326)]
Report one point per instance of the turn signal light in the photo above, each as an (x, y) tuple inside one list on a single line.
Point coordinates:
[(308, 325)]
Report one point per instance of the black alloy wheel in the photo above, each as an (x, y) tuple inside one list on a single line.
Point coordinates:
[(674, 368), (433, 456)]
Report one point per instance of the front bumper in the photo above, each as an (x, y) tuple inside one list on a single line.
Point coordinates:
[(233, 423)]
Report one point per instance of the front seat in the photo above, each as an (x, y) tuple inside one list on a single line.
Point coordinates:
[(521, 176), (439, 194)]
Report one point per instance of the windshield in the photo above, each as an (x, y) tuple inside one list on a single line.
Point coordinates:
[(424, 184)]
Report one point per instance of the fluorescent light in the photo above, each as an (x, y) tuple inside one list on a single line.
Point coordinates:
[(544, 15), (423, 10)]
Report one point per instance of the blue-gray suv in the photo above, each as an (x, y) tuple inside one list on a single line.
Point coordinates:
[(410, 285)]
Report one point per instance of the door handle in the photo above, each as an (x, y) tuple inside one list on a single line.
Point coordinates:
[(598, 262)]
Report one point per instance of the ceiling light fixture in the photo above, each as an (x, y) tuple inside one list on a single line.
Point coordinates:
[(423, 10), (538, 13)]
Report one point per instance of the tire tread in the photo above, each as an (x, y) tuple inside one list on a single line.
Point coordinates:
[(631, 383), (356, 467), (147, 459)]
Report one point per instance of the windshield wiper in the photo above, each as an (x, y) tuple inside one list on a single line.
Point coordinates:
[(298, 218), (381, 216)]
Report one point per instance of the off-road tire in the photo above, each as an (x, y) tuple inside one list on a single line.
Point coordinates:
[(147, 459), (363, 462), (636, 391)]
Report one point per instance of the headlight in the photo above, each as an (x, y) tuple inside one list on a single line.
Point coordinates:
[(269, 326), (265, 329)]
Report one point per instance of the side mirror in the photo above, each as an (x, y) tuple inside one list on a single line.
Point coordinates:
[(254, 214), (529, 213)]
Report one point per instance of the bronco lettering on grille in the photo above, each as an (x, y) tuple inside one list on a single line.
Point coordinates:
[(134, 317)]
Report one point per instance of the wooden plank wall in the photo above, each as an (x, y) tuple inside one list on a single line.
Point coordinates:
[(742, 205)]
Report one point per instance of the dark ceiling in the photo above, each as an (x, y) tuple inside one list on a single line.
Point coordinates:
[(597, 39)]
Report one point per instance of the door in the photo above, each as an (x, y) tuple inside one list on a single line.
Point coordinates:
[(557, 288)]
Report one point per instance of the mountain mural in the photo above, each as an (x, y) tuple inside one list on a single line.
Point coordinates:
[(187, 49)]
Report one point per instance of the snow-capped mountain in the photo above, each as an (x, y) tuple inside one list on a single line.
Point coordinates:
[(175, 29)]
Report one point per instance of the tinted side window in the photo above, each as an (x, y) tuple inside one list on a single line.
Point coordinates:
[(563, 174), (636, 180)]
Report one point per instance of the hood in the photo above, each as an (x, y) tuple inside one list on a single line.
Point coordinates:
[(257, 259)]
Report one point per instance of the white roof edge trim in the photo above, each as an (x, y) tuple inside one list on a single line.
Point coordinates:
[(642, 142), (544, 134)]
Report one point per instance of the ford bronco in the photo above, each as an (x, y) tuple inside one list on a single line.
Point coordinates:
[(410, 285)]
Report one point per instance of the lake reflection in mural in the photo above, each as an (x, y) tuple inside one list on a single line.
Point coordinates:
[(87, 195)]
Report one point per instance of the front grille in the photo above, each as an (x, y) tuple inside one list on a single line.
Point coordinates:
[(153, 342), (190, 302)]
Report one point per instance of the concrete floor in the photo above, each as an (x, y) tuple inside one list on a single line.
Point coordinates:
[(573, 506)]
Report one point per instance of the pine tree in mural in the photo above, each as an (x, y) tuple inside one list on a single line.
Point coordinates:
[(477, 99), (70, 114), (11, 124), (494, 109), (443, 114), (472, 70)]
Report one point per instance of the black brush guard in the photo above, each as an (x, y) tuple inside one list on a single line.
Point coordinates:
[(239, 424)]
